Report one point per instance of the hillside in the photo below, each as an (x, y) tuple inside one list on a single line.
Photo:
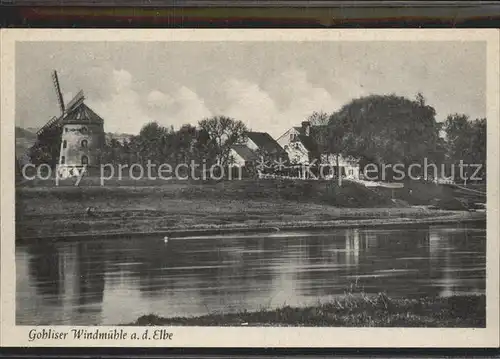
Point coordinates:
[(25, 139)]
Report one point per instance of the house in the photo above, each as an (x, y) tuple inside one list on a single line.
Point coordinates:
[(257, 146), (264, 145), (303, 145), (299, 144), (349, 167), (243, 156)]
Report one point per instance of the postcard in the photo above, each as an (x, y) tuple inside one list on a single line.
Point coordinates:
[(250, 188)]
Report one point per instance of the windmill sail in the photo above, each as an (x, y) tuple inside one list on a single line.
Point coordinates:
[(78, 99), (58, 92), (53, 122)]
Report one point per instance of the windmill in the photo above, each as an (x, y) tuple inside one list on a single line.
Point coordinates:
[(47, 146), (71, 139)]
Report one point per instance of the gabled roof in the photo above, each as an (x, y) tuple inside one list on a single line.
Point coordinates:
[(264, 141), (313, 129), (299, 129), (309, 143), (82, 114), (246, 153)]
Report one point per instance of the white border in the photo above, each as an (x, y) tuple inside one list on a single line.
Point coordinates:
[(12, 335)]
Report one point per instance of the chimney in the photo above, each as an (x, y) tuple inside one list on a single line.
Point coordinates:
[(306, 127)]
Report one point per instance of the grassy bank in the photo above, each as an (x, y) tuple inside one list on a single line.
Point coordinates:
[(43, 209), (351, 311)]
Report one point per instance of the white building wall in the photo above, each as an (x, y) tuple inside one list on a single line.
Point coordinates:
[(351, 167), (237, 160), (297, 153), (284, 139)]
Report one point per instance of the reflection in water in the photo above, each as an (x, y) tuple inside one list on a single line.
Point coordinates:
[(352, 246), (45, 267), (89, 277), (110, 282), (69, 275)]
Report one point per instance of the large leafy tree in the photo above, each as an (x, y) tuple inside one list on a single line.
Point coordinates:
[(189, 144), (151, 140), (386, 129), (223, 133)]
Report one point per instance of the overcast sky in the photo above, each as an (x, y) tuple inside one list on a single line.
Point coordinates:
[(269, 86)]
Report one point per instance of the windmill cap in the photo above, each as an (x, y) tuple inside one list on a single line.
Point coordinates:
[(82, 114)]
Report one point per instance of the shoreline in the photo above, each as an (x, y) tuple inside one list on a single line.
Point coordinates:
[(350, 310), (272, 227)]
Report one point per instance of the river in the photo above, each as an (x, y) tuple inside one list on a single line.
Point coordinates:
[(97, 282)]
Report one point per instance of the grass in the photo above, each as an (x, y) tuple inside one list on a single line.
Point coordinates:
[(351, 310), (43, 209)]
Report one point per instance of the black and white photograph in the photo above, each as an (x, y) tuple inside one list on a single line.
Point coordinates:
[(252, 184)]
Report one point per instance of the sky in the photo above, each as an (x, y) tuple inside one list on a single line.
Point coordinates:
[(270, 86)]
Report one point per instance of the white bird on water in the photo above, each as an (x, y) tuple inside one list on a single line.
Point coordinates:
[(90, 211)]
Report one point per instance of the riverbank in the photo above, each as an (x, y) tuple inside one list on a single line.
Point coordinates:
[(352, 310), (266, 227), (182, 209)]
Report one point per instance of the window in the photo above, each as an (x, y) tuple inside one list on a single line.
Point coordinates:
[(84, 130), (65, 144), (85, 143), (291, 137), (63, 160), (85, 160)]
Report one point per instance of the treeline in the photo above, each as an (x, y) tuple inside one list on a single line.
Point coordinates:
[(466, 142), (392, 129), (376, 129), (208, 144)]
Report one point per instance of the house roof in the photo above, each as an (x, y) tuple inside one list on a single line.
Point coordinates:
[(299, 129), (309, 143), (313, 129), (264, 141), (82, 114), (244, 152)]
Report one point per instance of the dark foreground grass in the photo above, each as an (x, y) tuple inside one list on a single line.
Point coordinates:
[(351, 311)]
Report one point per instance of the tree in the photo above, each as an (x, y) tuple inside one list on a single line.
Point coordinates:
[(149, 143), (47, 148), (188, 145), (420, 99), (479, 136), (223, 133), (319, 129), (386, 129), (318, 118), (466, 142), (335, 140)]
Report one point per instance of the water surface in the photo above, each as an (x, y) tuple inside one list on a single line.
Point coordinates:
[(116, 281)]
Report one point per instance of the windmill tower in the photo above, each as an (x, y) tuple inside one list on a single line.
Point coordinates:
[(81, 133)]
